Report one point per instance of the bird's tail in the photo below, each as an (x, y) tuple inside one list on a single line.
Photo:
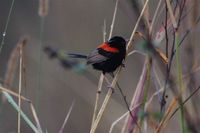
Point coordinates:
[(72, 55)]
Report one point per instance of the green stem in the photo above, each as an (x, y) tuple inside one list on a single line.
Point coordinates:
[(180, 82), (147, 83), (23, 115), (41, 37), (147, 86)]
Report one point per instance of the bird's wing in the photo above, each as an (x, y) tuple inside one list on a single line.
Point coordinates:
[(95, 57)]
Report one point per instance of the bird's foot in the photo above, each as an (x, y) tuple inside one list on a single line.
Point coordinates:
[(110, 87), (123, 65)]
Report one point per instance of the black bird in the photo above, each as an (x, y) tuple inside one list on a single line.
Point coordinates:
[(108, 56)]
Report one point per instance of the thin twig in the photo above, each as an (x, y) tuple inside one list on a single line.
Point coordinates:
[(170, 108), (67, 117), (7, 93), (27, 100), (158, 82), (147, 105), (13, 93), (105, 102), (159, 89), (121, 117), (20, 86), (163, 101), (170, 114), (6, 26), (100, 84), (104, 30), (154, 17), (136, 25), (185, 101), (171, 14), (175, 29), (113, 20), (97, 97), (36, 118), (166, 32), (15, 106), (151, 98)]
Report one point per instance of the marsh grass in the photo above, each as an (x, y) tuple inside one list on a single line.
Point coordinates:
[(173, 79)]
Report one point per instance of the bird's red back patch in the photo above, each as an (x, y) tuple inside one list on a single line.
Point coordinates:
[(108, 48)]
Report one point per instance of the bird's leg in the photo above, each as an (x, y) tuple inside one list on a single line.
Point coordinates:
[(100, 83), (123, 64), (110, 87), (109, 84)]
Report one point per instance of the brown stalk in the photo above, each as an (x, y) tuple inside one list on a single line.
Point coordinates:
[(43, 8), (12, 62), (171, 107), (13, 93), (20, 86)]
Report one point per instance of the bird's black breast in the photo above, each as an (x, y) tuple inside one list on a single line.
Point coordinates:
[(114, 60)]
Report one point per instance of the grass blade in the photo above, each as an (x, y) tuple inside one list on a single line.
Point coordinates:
[(67, 117), (23, 115)]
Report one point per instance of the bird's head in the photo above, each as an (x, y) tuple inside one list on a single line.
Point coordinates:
[(117, 42)]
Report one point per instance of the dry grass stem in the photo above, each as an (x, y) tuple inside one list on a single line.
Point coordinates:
[(171, 107), (101, 111), (100, 84), (11, 67), (16, 107), (136, 25), (67, 117), (113, 20), (146, 13), (13, 93), (121, 117), (105, 102), (171, 14), (20, 86), (27, 100), (43, 8), (155, 16), (97, 97), (104, 30), (12, 62), (136, 51), (151, 98), (36, 118)]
